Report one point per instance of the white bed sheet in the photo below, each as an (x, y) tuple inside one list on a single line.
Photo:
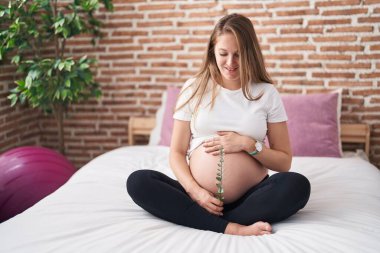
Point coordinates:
[(92, 212)]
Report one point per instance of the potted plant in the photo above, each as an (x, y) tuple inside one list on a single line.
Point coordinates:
[(50, 81)]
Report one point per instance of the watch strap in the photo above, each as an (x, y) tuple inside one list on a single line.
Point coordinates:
[(253, 152)]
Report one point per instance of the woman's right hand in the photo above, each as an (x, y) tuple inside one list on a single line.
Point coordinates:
[(207, 200)]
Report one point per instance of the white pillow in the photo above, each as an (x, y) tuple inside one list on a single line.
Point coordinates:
[(155, 134)]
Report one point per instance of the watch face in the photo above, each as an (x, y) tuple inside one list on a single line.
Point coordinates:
[(258, 146)]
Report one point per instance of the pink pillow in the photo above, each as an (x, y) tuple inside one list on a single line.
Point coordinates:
[(313, 124), (167, 124)]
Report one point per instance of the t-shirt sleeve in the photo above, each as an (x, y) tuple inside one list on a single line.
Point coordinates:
[(276, 110), (185, 113)]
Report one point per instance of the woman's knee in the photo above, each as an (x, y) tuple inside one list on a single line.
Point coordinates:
[(136, 181), (298, 186), (302, 185)]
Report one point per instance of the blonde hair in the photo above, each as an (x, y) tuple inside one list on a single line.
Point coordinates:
[(251, 61)]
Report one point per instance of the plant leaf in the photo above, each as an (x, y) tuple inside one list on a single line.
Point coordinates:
[(28, 82), (13, 98), (20, 83), (68, 83), (15, 59), (56, 95), (61, 65)]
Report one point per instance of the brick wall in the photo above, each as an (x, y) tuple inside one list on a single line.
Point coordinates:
[(309, 46)]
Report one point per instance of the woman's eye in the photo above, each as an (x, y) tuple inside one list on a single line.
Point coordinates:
[(222, 54)]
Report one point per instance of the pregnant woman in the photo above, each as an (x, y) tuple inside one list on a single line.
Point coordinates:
[(230, 105)]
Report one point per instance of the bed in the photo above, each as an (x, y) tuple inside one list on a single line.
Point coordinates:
[(92, 212)]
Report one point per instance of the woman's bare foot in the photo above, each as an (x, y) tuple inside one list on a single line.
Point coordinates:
[(258, 228)]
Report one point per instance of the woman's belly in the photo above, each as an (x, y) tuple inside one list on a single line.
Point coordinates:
[(241, 172)]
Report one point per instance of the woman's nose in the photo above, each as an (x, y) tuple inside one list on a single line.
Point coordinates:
[(230, 60)]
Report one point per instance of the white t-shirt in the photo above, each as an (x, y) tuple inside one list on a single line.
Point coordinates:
[(231, 112)]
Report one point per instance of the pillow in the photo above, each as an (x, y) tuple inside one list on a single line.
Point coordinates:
[(314, 124), (167, 121), (154, 138)]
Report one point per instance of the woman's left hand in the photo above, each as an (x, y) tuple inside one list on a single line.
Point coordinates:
[(232, 142)]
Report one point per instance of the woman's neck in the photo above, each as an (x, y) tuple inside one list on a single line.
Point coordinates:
[(231, 85)]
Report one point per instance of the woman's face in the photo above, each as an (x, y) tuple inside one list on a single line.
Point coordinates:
[(227, 58)]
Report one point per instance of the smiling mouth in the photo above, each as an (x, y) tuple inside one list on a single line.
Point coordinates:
[(231, 69)]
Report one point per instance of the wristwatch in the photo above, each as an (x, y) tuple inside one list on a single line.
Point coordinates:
[(259, 148)]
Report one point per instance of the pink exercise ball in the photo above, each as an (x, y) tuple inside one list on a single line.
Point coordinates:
[(28, 174)]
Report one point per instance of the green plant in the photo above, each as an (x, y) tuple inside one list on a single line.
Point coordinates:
[(219, 176), (50, 82)]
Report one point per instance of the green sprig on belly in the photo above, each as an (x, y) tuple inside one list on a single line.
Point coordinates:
[(219, 176)]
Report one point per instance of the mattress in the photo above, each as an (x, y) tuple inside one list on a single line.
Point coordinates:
[(93, 212)]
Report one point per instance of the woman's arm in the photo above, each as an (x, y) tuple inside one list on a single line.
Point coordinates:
[(178, 148), (279, 156)]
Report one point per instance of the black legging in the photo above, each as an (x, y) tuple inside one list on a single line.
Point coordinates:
[(274, 199)]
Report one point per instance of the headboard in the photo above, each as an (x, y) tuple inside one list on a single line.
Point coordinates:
[(356, 133), (350, 133)]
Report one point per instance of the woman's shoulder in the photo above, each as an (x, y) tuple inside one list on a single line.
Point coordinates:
[(265, 88), (189, 82)]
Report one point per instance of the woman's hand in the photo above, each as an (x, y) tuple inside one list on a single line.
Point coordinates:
[(232, 142), (207, 200)]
